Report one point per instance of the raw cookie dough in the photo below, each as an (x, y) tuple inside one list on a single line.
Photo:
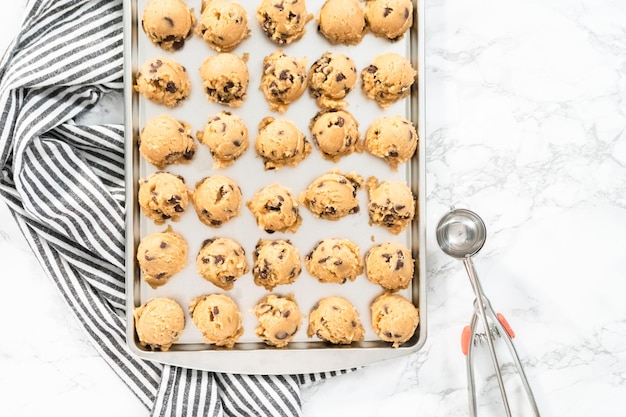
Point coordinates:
[(276, 262), (280, 143), (389, 265), (221, 261), (168, 23), (223, 24), (331, 78), (279, 319), (159, 323), (388, 79), (335, 260), (226, 136), (165, 140), (163, 81), (391, 204), (275, 209), (335, 133), (394, 318), (283, 21), (217, 199), (218, 318), (335, 320), (161, 255), (225, 78), (342, 21), (163, 196), (283, 80), (389, 18), (392, 138), (333, 195)]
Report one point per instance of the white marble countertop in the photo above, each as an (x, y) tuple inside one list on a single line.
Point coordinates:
[(525, 124)]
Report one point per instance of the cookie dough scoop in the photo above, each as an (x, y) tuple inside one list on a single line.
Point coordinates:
[(165, 140), (161, 255), (332, 196), (279, 319), (335, 320), (168, 23), (218, 318), (159, 323), (391, 138), (388, 79), (280, 143), (394, 318), (163, 81), (223, 24), (391, 204)]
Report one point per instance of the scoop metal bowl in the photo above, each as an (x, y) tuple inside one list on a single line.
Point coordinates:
[(461, 233)]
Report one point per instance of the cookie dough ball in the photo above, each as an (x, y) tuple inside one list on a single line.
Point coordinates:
[(331, 78), (335, 133), (394, 318), (168, 23), (217, 199), (225, 79), (163, 196), (275, 209), (163, 81), (276, 262), (283, 80), (388, 79), (283, 21), (218, 318), (391, 204), (165, 140), (342, 21), (279, 319), (161, 255), (159, 323), (226, 136), (335, 320), (333, 195), (280, 143), (335, 261), (221, 261), (223, 24), (389, 18), (389, 265), (392, 138)]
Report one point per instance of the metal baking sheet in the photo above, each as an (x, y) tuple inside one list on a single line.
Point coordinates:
[(250, 355)]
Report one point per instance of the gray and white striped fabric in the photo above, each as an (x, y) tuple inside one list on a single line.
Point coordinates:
[(64, 183)]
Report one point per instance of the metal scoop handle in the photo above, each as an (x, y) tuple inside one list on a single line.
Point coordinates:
[(484, 311)]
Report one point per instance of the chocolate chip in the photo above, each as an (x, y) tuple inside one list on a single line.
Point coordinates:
[(279, 7), (338, 262), (229, 85), (392, 154), (174, 199), (406, 13), (169, 20), (286, 313), (281, 335), (149, 258), (340, 77), (343, 181), (340, 121), (321, 261), (292, 273), (284, 74), (160, 275), (387, 11), (163, 245), (215, 222), (237, 143), (399, 265), (353, 323), (371, 69), (208, 242), (229, 278), (216, 310), (205, 260), (386, 256), (171, 87), (399, 207), (178, 209), (388, 334), (219, 259), (270, 231), (189, 154), (291, 15)]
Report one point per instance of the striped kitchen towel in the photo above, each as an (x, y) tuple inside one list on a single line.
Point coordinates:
[(64, 184)]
